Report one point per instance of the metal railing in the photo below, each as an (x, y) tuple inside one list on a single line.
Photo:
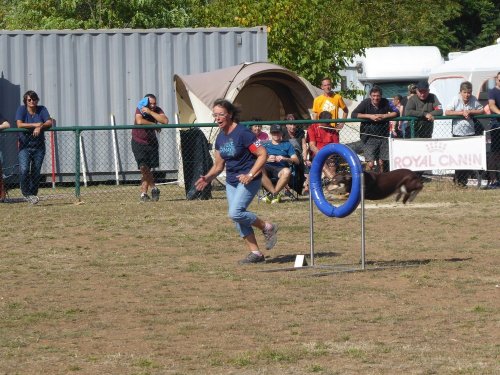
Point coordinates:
[(97, 160)]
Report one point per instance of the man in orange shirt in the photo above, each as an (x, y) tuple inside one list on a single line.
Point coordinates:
[(329, 101)]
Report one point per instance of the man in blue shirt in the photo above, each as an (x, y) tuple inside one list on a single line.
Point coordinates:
[(280, 155)]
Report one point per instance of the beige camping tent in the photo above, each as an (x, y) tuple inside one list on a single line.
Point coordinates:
[(262, 90)]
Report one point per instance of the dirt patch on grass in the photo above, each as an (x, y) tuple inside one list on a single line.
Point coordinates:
[(119, 287)]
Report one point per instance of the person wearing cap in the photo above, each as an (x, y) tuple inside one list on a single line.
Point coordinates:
[(329, 101), (280, 154), (424, 106)]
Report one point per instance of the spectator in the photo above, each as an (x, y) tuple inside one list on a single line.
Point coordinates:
[(35, 119), (257, 130), (280, 154), (412, 90), (320, 135), (330, 102), (145, 144), (494, 105), (465, 105), (238, 150), (424, 106), (396, 126), (378, 111), (4, 124), (297, 137)]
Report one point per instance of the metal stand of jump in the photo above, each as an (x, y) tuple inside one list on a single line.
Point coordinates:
[(339, 267), (356, 197)]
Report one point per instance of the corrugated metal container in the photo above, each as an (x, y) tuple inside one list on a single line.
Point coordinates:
[(84, 76)]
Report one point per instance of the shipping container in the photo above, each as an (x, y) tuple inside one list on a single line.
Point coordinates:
[(85, 76)]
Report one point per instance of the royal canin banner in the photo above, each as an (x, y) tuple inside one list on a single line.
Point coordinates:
[(446, 153)]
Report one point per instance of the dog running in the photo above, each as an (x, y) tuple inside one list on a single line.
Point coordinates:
[(403, 182)]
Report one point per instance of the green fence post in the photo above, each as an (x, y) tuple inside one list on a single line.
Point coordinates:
[(412, 128), (77, 164)]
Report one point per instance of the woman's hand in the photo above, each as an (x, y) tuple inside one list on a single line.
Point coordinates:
[(245, 179), (201, 183)]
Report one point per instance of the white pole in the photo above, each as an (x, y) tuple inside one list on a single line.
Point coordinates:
[(115, 149), (82, 161), (363, 234), (180, 169)]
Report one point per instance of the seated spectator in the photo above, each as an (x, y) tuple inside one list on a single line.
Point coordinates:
[(280, 155), (257, 130), (320, 135), (297, 137), (466, 105)]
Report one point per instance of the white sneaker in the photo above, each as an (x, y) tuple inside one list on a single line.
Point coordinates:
[(33, 199)]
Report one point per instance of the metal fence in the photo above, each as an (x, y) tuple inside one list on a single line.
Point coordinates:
[(96, 162)]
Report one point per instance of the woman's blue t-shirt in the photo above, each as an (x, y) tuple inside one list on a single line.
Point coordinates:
[(233, 148), (26, 139)]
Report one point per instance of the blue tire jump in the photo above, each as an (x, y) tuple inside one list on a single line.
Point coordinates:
[(315, 180)]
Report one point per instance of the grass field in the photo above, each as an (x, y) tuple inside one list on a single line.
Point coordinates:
[(113, 286)]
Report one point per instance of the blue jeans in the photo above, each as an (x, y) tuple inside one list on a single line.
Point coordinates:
[(239, 198), (30, 165)]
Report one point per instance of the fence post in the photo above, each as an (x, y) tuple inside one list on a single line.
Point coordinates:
[(77, 164), (412, 128)]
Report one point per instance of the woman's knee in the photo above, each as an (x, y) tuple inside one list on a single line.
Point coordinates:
[(236, 214)]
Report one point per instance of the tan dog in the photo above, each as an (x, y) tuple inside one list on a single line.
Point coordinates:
[(381, 185)]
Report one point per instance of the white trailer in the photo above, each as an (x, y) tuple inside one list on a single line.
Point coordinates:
[(391, 68)]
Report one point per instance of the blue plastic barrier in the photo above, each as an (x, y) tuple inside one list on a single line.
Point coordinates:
[(315, 180)]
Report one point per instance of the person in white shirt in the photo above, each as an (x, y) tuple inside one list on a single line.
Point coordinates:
[(465, 105)]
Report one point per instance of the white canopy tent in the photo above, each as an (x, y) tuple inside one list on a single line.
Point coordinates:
[(478, 67)]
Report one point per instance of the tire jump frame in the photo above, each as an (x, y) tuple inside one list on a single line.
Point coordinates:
[(316, 194), (356, 195)]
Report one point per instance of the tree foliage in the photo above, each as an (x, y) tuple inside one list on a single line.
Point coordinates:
[(97, 14), (317, 38), (307, 36), (311, 37)]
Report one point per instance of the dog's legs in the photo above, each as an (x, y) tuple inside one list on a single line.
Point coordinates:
[(411, 196), (402, 191)]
